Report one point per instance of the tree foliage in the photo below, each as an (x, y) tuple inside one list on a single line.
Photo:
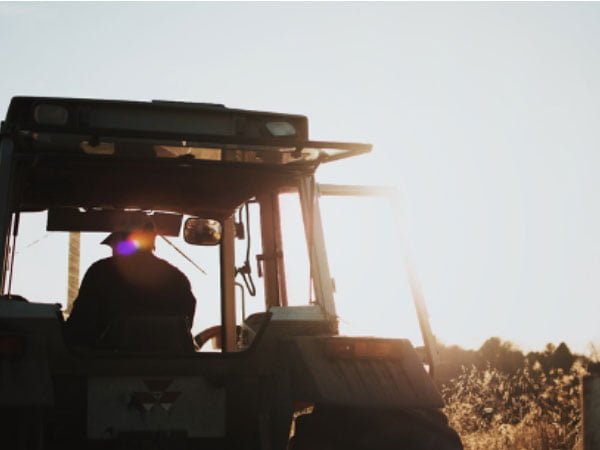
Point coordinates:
[(505, 357)]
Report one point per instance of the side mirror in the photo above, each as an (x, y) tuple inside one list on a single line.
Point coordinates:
[(198, 231)]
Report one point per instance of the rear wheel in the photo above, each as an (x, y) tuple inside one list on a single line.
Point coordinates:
[(344, 429)]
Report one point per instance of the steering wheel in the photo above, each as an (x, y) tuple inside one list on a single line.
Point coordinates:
[(213, 332), (206, 335)]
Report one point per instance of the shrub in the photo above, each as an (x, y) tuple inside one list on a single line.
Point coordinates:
[(529, 409)]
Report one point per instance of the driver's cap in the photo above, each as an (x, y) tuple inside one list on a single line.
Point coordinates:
[(143, 233), (115, 237)]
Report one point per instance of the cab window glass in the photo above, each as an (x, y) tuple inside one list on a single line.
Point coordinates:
[(372, 294), (41, 266), (295, 252)]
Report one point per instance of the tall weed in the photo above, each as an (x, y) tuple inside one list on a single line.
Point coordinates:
[(530, 409)]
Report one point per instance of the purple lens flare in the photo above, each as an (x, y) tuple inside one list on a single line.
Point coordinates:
[(126, 248)]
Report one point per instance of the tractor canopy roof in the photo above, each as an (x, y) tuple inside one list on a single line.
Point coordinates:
[(191, 158)]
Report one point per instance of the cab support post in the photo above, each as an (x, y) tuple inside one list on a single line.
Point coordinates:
[(228, 319), (271, 251), (6, 167), (319, 267)]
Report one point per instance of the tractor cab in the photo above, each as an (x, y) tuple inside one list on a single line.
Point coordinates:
[(212, 181)]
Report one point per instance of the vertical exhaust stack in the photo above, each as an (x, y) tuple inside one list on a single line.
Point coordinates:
[(73, 276)]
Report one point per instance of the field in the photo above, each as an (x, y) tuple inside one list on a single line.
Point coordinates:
[(530, 408)]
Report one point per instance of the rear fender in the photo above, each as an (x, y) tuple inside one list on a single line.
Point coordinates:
[(360, 372)]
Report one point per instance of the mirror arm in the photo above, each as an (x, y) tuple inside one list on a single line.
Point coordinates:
[(183, 254)]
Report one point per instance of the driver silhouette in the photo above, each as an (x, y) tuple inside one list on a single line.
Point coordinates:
[(133, 282)]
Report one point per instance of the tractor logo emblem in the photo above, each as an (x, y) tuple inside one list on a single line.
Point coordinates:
[(156, 395)]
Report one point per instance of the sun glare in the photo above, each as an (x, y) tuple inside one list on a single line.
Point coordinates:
[(128, 247)]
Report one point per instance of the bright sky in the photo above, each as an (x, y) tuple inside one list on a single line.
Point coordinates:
[(484, 115)]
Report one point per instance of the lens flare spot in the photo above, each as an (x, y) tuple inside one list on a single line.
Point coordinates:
[(126, 248)]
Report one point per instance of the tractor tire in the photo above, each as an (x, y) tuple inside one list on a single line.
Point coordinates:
[(342, 429)]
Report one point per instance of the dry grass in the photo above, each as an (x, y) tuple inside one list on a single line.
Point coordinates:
[(528, 410)]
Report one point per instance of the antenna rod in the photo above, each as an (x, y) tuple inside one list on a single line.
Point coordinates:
[(183, 254)]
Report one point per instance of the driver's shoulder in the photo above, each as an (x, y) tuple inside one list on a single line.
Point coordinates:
[(168, 267), (101, 265)]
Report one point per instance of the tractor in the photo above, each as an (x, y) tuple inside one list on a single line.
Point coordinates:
[(211, 178)]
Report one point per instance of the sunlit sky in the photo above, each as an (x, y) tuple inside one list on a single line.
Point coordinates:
[(484, 116)]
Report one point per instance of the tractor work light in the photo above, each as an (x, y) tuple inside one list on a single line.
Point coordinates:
[(50, 114), (281, 129), (361, 349)]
